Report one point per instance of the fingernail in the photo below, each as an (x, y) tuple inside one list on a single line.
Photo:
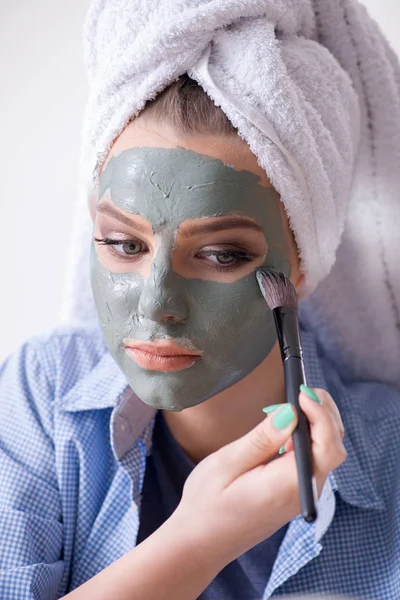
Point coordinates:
[(284, 417), (308, 392), (282, 449), (270, 409)]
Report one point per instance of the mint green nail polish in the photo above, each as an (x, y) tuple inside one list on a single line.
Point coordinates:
[(282, 450), (308, 392), (283, 417), (270, 409)]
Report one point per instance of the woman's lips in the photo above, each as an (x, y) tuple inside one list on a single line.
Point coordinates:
[(161, 355)]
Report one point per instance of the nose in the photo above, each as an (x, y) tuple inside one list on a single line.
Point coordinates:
[(162, 298)]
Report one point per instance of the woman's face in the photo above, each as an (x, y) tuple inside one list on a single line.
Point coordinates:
[(181, 225)]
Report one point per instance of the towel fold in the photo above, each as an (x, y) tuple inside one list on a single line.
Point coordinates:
[(314, 89)]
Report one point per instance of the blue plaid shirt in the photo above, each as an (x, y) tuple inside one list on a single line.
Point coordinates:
[(73, 446)]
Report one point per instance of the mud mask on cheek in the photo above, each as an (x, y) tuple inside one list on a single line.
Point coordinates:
[(229, 323)]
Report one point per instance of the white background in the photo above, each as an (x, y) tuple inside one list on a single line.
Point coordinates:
[(42, 96)]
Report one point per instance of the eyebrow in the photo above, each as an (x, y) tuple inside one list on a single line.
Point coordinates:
[(116, 214), (220, 225)]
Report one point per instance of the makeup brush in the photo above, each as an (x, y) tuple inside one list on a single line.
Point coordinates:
[(281, 297)]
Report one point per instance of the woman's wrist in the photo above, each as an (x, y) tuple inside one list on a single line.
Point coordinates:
[(197, 540), (177, 561)]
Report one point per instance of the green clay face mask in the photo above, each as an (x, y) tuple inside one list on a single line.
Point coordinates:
[(228, 323)]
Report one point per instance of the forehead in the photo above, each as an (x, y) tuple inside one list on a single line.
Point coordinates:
[(171, 185)]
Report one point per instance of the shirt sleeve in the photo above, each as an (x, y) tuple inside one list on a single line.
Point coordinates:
[(31, 530)]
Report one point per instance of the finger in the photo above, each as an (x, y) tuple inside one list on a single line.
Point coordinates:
[(326, 399), (316, 394), (288, 447), (285, 489), (328, 449), (259, 445), (269, 410)]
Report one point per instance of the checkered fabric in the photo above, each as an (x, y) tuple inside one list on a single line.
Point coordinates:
[(73, 446)]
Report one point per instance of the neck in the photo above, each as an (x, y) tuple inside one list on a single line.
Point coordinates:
[(203, 429)]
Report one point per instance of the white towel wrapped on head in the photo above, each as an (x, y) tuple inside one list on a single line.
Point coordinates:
[(314, 89)]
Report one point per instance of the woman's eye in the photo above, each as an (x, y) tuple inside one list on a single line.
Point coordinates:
[(225, 258), (131, 248), (123, 248)]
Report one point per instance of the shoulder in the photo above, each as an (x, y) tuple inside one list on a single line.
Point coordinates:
[(370, 411), (370, 400), (68, 354), (46, 367), (371, 415), (84, 344)]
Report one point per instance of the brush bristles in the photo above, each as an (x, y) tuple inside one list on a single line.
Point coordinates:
[(277, 289)]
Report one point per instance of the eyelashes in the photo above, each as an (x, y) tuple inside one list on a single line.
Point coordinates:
[(131, 247), (221, 258), (224, 259)]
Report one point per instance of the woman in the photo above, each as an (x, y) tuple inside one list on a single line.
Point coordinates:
[(143, 466)]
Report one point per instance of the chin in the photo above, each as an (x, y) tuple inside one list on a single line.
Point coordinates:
[(166, 399)]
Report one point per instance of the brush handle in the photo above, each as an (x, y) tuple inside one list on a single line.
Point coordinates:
[(294, 377)]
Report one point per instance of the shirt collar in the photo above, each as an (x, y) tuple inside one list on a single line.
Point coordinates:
[(102, 388), (106, 387)]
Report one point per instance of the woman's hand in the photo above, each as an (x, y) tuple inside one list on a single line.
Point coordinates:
[(231, 501), (241, 494)]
